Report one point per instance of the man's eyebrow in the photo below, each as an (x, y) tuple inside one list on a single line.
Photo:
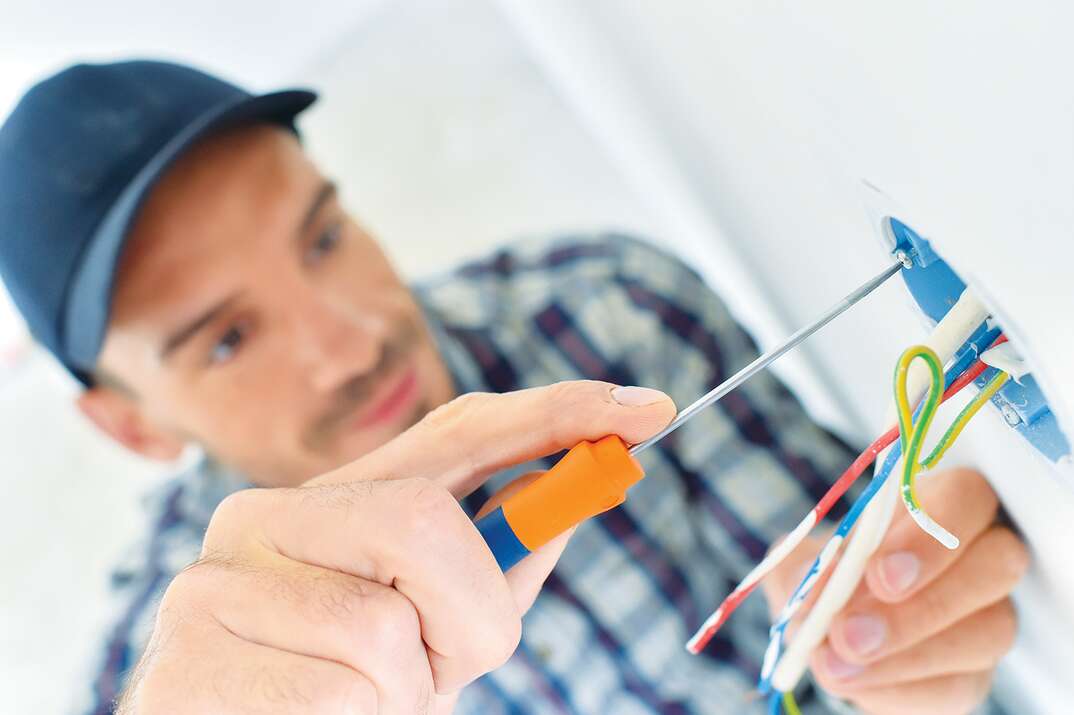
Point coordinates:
[(324, 194), (188, 331)]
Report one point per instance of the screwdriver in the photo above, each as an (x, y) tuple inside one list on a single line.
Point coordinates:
[(593, 477)]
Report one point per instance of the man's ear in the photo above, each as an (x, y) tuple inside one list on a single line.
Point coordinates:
[(120, 417)]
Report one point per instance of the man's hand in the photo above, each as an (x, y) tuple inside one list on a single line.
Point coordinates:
[(928, 625), (369, 590)]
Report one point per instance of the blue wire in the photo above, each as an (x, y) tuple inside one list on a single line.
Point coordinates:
[(966, 357), (774, 702), (778, 631)]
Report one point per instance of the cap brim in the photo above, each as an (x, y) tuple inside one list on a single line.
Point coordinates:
[(88, 302)]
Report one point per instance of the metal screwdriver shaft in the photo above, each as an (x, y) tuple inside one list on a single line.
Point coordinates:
[(769, 357)]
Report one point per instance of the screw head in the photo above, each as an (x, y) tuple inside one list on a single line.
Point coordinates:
[(904, 258), (1010, 415)]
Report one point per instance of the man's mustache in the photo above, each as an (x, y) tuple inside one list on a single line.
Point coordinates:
[(357, 390)]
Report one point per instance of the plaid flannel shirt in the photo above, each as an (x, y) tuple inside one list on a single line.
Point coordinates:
[(606, 634)]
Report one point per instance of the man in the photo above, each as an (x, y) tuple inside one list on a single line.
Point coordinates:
[(169, 242)]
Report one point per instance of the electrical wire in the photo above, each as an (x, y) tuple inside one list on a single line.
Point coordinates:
[(953, 338), (958, 377), (774, 701), (820, 565), (987, 392), (912, 435), (777, 555), (790, 705)]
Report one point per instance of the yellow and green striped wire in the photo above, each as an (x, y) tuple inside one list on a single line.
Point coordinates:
[(790, 705), (912, 434)]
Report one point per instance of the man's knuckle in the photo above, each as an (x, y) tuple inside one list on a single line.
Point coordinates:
[(934, 608), (322, 692), (584, 397), (450, 417), (339, 597), (229, 516), (823, 677), (189, 587), (510, 637), (393, 623), (967, 475), (163, 683), (1015, 555), (356, 696), (339, 691), (1006, 628), (150, 694), (234, 505), (497, 642), (969, 690), (573, 404), (280, 687), (981, 687), (427, 506)]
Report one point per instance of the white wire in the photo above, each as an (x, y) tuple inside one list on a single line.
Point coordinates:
[(947, 337)]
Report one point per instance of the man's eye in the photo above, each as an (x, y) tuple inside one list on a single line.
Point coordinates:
[(325, 243), (225, 348)]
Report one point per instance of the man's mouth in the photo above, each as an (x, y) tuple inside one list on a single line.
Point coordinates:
[(387, 396), (395, 399)]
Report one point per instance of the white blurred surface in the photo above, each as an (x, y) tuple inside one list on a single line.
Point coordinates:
[(69, 505)]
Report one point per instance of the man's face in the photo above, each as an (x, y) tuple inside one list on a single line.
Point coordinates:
[(253, 316)]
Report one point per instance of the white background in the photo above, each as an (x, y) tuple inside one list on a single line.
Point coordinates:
[(735, 134)]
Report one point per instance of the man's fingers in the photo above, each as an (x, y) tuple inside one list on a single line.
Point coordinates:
[(946, 695), (976, 643), (221, 673), (869, 629), (529, 574), (909, 559), (461, 443), (306, 610), (408, 534)]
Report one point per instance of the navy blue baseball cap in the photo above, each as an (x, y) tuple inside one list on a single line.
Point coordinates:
[(78, 155)]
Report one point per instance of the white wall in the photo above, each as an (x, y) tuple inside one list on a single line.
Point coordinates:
[(459, 142), (773, 113)]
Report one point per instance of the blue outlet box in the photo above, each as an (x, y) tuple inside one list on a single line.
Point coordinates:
[(935, 288)]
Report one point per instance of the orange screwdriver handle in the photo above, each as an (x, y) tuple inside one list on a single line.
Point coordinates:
[(591, 478)]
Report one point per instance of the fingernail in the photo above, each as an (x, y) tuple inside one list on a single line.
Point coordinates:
[(637, 396), (899, 571), (839, 668), (864, 634)]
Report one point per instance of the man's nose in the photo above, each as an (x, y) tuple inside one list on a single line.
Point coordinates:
[(334, 345)]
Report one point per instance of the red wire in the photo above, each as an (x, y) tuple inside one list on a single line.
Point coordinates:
[(837, 490)]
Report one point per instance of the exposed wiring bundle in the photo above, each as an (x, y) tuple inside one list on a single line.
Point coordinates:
[(776, 556), (919, 366)]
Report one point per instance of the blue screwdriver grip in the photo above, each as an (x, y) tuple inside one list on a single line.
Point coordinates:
[(501, 539)]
